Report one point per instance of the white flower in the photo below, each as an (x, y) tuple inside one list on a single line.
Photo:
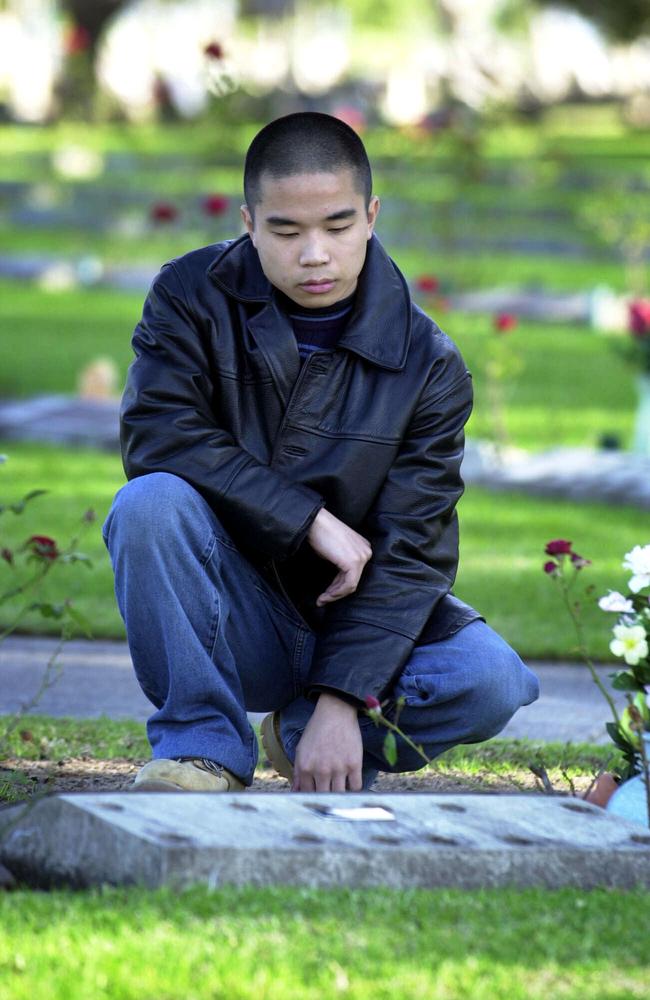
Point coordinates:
[(613, 601), (638, 562), (631, 643)]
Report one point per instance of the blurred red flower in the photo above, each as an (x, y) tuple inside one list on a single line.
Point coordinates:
[(215, 204), (76, 40), (558, 547), (163, 211), (43, 547), (550, 566), (427, 283), (504, 322), (352, 116), (213, 50), (639, 317)]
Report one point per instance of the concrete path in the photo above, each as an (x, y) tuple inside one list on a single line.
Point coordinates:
[(97, 679)]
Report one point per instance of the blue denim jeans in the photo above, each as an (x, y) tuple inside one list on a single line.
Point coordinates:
[(211, 640)]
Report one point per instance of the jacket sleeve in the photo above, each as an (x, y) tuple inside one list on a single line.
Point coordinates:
[(412, 526), (167, 424)]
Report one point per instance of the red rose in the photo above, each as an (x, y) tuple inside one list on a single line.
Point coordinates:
[(163, 211), (550, 567), (558, 547), (215, 204), (504, 322), (427, 283), (213, 51), (373, 705), (43, 547)]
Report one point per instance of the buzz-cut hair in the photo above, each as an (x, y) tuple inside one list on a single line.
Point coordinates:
[(305, 142)]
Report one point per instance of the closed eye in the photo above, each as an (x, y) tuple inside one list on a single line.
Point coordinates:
[(288, 236)]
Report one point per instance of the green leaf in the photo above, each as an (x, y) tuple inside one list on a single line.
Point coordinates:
[(615, 734), (625, 681), (641, 704), (390, 748), (642, 673), (48, 610), (627, 729)]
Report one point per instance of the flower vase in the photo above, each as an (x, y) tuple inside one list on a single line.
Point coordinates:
[(641, 445), (630, 800)]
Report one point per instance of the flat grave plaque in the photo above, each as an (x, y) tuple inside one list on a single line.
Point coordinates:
[(354, 839)]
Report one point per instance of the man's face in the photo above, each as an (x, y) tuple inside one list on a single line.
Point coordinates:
[(311, 233)]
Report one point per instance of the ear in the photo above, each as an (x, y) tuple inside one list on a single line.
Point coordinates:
[(248, 222), (373, 211)]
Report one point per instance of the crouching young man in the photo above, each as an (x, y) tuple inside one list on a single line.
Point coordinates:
[(292, 433)]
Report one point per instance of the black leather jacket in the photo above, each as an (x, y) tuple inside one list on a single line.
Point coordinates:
[(373, 430)]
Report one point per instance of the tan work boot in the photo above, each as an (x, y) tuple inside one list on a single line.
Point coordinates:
[(194, 775), (272, 743)]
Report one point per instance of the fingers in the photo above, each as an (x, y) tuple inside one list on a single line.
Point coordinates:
[(341, 545), (345, 582), (355, 781), (338, 781), (340, 587)]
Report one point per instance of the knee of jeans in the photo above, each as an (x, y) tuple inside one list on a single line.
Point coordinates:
[(149, 507), (505, 685)]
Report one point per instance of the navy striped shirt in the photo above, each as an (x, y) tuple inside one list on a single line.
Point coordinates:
[(317, 329)]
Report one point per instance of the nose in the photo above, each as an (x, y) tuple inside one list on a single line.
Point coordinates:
[(313, 252)]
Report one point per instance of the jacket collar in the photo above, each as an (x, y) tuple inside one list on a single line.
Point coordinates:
[(379, 327)]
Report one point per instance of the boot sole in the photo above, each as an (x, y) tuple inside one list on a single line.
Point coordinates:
[(156, 786), (164, 786), (273, 748)]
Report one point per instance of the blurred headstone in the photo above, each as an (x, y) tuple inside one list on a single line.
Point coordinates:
[(98, 380)]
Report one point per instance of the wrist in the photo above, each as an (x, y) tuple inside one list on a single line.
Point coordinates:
[(330, 703)]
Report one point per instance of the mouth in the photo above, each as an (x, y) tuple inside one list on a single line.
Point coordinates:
[(319, 286)]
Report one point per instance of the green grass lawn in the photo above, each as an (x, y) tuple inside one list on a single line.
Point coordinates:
[(280, 943), (50, 337), (502, 542), (39, 737)]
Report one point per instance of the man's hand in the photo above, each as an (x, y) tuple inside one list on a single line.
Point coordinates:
[(339, 544), (330, 752)]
